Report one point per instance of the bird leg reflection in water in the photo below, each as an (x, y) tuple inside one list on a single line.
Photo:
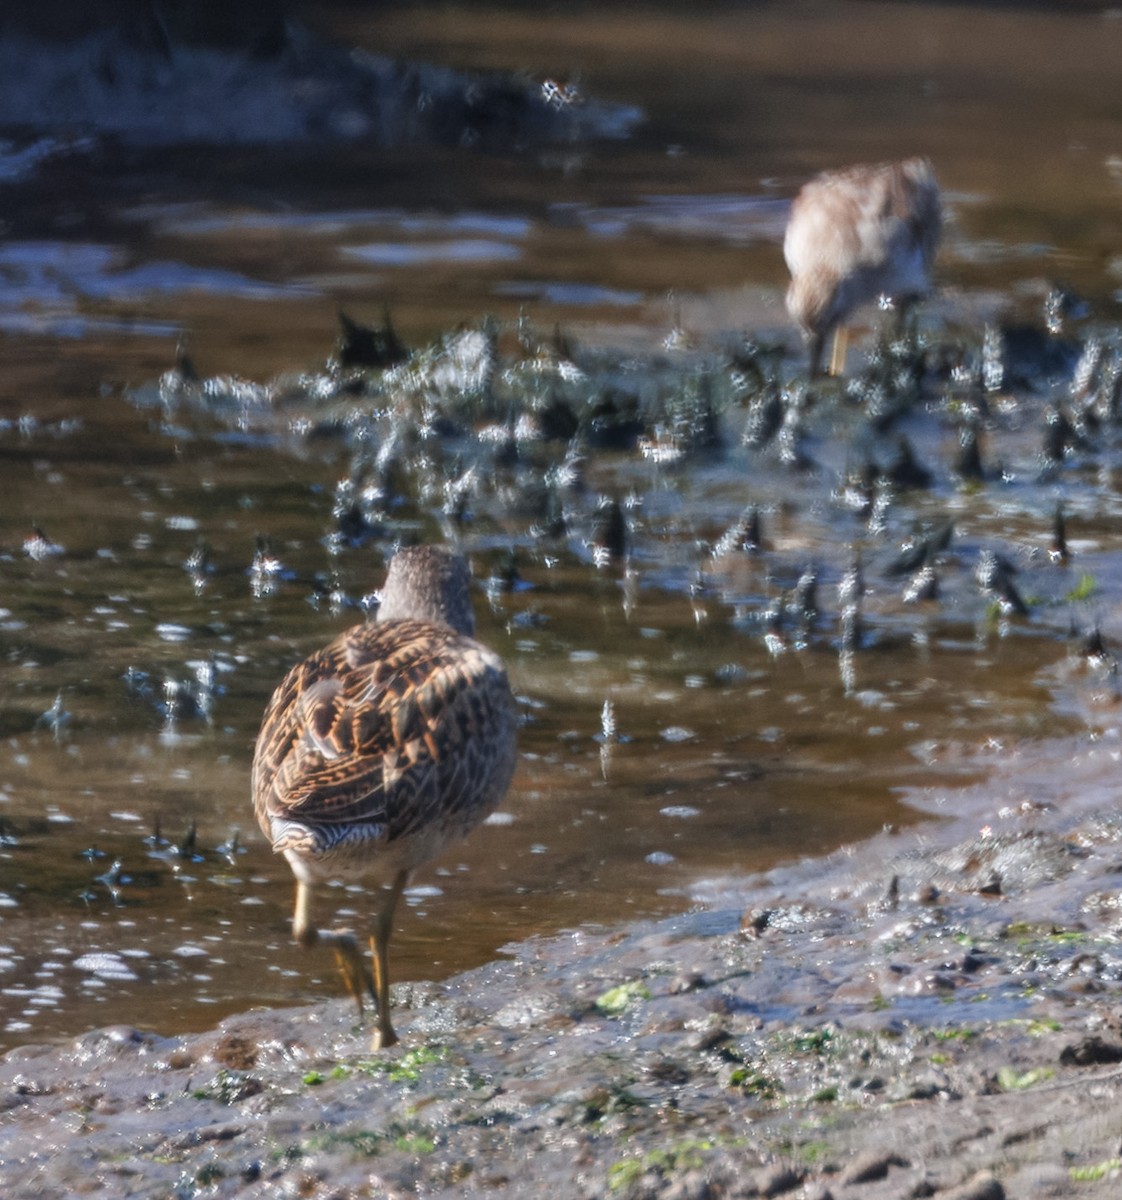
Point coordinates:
[(361, 978)]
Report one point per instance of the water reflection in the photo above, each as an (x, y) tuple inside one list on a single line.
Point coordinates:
[(398, 254), (46, 283)]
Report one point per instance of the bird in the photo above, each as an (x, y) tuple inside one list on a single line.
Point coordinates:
[(380, 750), (853, 236)]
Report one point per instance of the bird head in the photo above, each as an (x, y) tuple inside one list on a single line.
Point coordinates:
[(429, 583)]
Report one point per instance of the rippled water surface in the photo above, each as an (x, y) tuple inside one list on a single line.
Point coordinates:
[(669, 739)]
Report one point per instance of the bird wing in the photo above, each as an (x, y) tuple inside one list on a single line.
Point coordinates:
[(907, 207), (847, 218), (391, 724)]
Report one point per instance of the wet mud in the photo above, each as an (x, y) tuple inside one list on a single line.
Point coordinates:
[(924, 1014)]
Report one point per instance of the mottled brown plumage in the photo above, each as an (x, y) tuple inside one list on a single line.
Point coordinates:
[(855, 235), (378, 751)]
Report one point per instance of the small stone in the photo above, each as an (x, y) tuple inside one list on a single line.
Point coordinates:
[(983, 1186), (687, 981), (669, 1072), (1090, 1051), (870, 1167), (756, 920), (931, 1086), (710, 1039), (817, 1191), (694, 1185), (775, 1180), (234, 1051)]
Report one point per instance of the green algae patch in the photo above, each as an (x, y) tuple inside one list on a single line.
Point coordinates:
[(1096, 1171), (1084, 589), (754, 1083), (687, 1155), (619, 999), (370, 1143), (1009, 1079)]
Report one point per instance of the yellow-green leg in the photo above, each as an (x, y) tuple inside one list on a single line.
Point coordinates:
[(839, 350), (384, 1035), (352, 965)]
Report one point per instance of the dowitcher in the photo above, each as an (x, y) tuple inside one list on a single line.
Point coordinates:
[(854, 236), (380, 750)]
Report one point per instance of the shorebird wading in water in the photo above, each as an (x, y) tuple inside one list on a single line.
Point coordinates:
[(380, 750), (854, 236)]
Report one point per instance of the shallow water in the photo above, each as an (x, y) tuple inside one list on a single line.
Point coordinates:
[(134, 687)]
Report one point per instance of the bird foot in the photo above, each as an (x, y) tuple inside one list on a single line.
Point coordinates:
[(358, 978), (352, 964), (383, 1038)]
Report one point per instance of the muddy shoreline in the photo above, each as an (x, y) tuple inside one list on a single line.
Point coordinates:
[(932, 1012)]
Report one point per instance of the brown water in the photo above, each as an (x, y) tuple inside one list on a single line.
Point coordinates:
[(731, 757)]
